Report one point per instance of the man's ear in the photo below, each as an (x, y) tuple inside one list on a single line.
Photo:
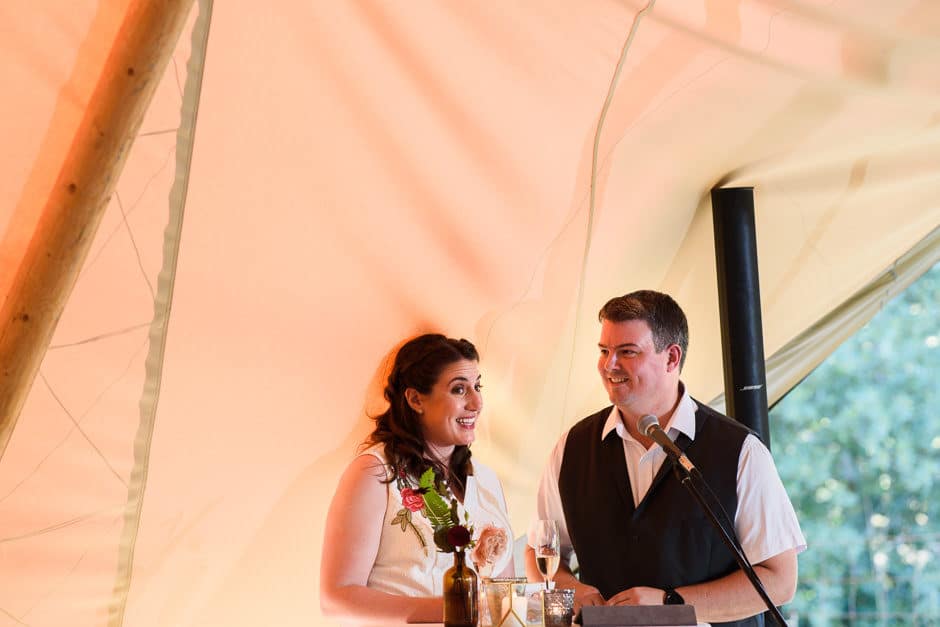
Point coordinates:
[(674, 357), (414, 400)]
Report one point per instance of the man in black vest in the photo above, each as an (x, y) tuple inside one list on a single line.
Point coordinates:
[(639, 537)]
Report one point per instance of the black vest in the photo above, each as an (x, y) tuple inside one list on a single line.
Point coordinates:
[(666, 541)]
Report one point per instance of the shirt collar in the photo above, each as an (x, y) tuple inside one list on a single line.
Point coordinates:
[(682, 421)]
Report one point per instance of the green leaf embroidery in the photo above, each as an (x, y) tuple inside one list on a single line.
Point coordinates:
[(436, 509), (403, 518)]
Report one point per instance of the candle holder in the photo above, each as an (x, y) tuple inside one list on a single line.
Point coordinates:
[(504, 602), (558, 607)]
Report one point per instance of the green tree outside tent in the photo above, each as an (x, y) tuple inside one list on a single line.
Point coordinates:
[(857, 444)]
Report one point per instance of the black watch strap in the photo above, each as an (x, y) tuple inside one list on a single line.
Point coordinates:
[(671, 597)]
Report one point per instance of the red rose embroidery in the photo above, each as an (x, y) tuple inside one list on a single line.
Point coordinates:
[(411, 500)]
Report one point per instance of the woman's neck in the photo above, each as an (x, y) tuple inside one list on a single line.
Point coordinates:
[(441, 454)]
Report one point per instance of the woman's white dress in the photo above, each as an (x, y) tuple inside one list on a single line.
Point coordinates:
[(408, 561)]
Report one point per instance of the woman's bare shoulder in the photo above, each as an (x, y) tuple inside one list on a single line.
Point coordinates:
[(367, 465)]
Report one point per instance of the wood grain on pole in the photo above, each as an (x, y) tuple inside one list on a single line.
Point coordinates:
[(70, 218)]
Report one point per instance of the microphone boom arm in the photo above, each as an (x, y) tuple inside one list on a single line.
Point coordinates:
[(685, 471), (685, 478)]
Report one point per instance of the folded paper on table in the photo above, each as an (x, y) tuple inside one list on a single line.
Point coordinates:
[(638, 616)]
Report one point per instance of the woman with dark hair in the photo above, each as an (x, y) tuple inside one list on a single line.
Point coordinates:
[(380, 563)]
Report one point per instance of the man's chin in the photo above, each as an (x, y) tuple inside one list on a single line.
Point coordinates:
[(619, 397)]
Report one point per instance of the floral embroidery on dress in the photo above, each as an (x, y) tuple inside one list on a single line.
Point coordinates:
[(449, 534), (413, 502)]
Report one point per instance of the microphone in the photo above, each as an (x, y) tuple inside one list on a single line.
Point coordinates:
[(648, 425)]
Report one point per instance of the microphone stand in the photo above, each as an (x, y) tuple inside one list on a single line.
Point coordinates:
[(686, 479)]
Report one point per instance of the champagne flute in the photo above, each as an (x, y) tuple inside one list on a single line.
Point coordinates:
[(547, 553)]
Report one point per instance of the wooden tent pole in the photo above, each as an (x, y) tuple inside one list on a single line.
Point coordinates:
[(70, 218)]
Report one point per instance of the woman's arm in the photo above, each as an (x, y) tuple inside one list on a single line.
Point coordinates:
[(350, 545)]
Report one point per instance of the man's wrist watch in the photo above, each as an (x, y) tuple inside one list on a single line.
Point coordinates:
[(671, 597)]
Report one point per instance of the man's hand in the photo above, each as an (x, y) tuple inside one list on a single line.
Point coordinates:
[(586, 595), (640, 595)]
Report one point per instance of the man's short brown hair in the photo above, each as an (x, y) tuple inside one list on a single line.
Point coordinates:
[(665, 318)]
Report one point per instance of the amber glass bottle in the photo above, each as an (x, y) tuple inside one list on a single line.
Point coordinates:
[(460, 594)]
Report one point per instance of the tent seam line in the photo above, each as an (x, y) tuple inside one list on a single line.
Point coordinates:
[(614, 81), (161, 324)]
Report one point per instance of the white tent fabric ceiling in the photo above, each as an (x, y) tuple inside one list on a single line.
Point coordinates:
[(362, 171)]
